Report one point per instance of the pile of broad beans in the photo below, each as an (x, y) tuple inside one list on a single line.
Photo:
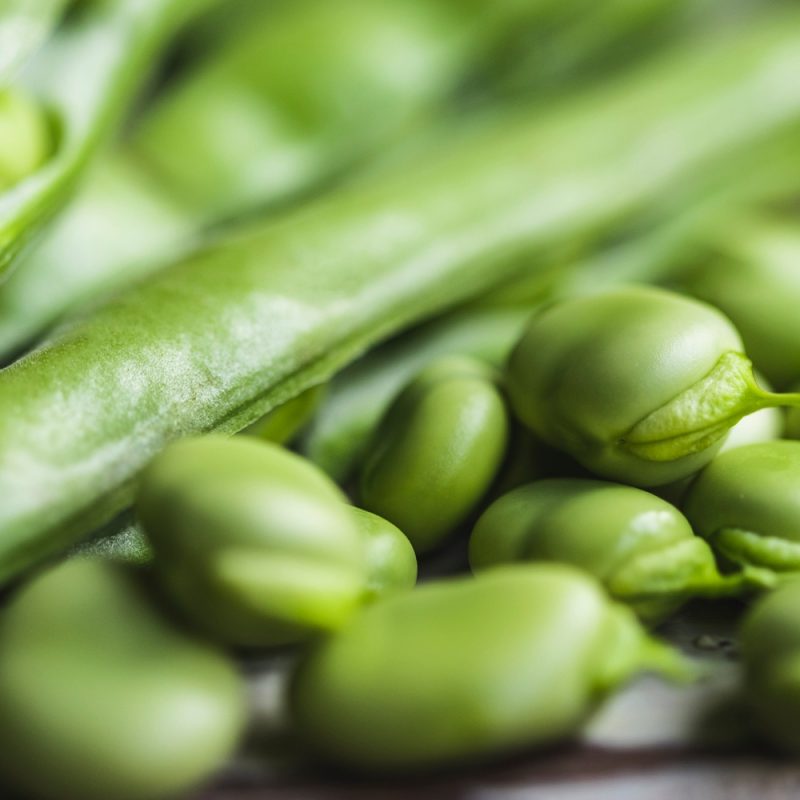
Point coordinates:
[(301, 298)]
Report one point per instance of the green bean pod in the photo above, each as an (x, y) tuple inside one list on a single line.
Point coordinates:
[(253, 544), (82, 79), (641, 548), (250, 125), (465, 669), (770, 644), (437, 450), (24, 25), (745, 503), (206, 346), (101, 698), (638, 384)]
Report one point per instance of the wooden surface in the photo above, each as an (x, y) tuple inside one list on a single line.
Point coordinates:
[(651, 741)]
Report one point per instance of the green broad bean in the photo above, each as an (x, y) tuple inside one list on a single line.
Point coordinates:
[(391, 564), (357, 398), (465, 669), (391, 561), (750, 273), (284, 423), (25, 137), (638, 384), (746, 504), (641, 548), (101, 698), (437, 450), (770, 646), (370, 69), (251, 542)]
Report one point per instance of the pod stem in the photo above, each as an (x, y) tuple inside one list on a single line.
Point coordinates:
[(663, 660), (748, 579), (775, 399)]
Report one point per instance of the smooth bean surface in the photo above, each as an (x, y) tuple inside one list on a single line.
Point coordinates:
[(254, 544), (102, 697), (770, 641), (464, 669), (746, 503), (391, 563), (437, 450), (639, 546), (639, 384)]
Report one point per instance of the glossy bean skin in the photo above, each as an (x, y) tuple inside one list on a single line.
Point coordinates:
[(390, 559), (284, 423), (745, 502), (638, 384), (102, 698), (751, 275), (466, 669), (770, 643), (641, 548), (251, 542), (195, 349), (437, 450), (357, 398)]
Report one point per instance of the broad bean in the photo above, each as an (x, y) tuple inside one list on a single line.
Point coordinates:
[(469, 668), (746, 504), (639, 384), (357, 398), (437, 450), (252, 543), (639, 546), (102, 698), (750, 273), (770, 642), (390, 558)]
